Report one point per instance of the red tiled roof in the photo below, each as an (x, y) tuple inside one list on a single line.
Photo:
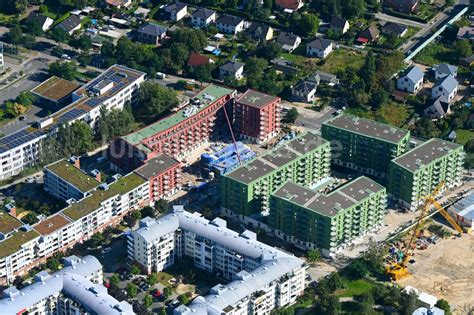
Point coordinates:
[(197, 60), (288, 4)]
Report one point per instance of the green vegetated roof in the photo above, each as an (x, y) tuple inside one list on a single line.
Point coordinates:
[(13, 243), (73, 175), (214, 91), (8, 223), (91, 203)]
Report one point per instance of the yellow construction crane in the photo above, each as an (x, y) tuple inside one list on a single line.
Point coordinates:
[(398, 269)]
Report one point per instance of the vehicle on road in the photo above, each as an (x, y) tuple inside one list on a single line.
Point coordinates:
[(106, 250), (161, 75)]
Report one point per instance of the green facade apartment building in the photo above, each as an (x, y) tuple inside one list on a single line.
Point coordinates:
[(246, 190), (327, 221), (415, 174), (364, 145)]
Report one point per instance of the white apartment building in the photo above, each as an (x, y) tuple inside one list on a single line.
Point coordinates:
[(26, 247), (262, 277), (112, 89), (74, 290)]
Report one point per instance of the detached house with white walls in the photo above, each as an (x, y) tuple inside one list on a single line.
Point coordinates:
[(412, 81)]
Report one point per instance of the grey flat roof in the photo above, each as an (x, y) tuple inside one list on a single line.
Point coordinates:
[(156, 166), (329, 204), (256, 99), (425, 153), (276, 158), (73, 281), (367, 127)]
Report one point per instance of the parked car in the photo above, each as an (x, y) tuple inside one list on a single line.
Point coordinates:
[(160, 75), (106, 250)]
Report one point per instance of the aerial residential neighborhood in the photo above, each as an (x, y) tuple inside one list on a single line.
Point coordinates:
[(283, 157)]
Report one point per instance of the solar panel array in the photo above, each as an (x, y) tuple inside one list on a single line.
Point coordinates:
[(18, 138), (114, 74), (70, 115)]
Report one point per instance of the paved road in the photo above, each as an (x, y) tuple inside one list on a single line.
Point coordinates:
[(394, 19)]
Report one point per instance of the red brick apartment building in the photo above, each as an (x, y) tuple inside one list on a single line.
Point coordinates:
[(257, 116), (176, 135), (163, 173)]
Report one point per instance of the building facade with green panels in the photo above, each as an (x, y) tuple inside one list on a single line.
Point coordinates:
[(364, 145), (327, 221), (304, 160), (415, 174)]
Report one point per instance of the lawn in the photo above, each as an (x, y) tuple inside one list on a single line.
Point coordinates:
[(164, 278), (355, 287), (463, 135), (5, 19), (340, 60), (436, 53)]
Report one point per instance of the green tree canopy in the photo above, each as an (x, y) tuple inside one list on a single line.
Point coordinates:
[(132, 290), (66, 70), (291, 117), (154, 100)]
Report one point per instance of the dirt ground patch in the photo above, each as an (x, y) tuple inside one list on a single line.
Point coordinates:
[(184, 288), (446, 270)]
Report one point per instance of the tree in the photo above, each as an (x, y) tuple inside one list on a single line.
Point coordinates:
[(357, 270), (96, 240), (255, 68), (269, 50), (231, 4), (132, 290), (147, 212), (135, 270), (132, 218), (366, 303), (167, 292), (147, 300), (308, 24), (153, 100), (53, 264), (291, 117), (444, 305), (408, 303), (114, 280), (66, 70), (15, 35), (152, 279), (367, 72), (335, 282), (329, 305), (203, 73), (25, 98), (59, 35), (161, 206), (184, 298), (463, 48), (30, 218)]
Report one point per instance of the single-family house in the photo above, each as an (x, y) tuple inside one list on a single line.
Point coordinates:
[(230, 24), (71, 24), (151, 33), (288, 41), (404, 6), (196, 60), (369, 35), (232, 69), (289, 4), (203, 17), (466, 32), (176, 11), (437, 109), (304, 91), (411, 81), (394, 29), (446, 88), (284, 66), (428, 311), (323, 77), (141, 13), (43, 21), (339, 24), (119, 4), (259, 32), (443, 70), (320, 47)]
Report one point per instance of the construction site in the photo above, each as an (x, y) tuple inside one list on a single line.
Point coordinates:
[(435, 256)]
